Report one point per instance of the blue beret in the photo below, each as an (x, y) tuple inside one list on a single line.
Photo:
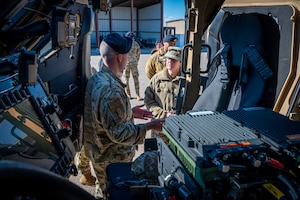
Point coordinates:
[(118, 43), (170, 38)]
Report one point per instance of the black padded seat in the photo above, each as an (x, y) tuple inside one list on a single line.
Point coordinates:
[(250, 53)]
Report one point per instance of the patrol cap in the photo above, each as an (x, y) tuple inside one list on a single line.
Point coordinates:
[(158, 41), (118, 43), (145, 167), (129, 34), (174, 53), (170, 38)]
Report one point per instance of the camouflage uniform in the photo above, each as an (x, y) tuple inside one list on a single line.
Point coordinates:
[(160, 97), (132, 65), (110, 132), (85, 168), (155, 63), (160, 94)]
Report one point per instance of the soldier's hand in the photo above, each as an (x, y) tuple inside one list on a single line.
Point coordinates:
[(155, 125), (140, 113), (170, 114)]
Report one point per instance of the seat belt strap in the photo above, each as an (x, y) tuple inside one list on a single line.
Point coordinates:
[(224, 65), (258, 62)]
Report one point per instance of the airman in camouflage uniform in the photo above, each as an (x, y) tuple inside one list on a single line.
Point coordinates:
[(132, 65), (158, 45), (157, 61), (83, 162), (110, 132), (160, 94), (163, 87), (84, 166)]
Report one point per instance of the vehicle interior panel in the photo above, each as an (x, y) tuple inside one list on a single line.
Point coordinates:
[(283, 16)]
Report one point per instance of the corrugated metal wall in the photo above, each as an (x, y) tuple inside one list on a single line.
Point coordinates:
[(150, 23), (146, 23)]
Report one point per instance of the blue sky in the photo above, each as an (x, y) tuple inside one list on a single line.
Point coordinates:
[(173, 9)]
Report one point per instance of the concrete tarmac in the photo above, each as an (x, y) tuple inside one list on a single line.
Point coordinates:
[(145, 54)]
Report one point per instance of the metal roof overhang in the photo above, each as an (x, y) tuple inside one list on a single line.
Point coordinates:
[(133, 4), (136, 3)]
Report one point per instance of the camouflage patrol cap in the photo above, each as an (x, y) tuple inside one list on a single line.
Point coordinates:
[(145, 167), (174, 53), (129, 34), (118, 43)]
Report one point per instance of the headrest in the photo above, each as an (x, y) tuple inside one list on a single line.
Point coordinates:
[(242, 30)]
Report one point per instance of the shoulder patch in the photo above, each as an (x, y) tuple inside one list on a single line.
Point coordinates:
[(116, 107), (115, 103)]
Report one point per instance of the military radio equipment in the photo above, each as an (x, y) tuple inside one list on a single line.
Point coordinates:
[(252, 151)]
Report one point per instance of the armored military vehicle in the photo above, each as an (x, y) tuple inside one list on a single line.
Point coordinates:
[(236, 134), (45, 64)]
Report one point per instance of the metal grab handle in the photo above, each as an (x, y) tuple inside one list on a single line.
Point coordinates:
[(184, 59)]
